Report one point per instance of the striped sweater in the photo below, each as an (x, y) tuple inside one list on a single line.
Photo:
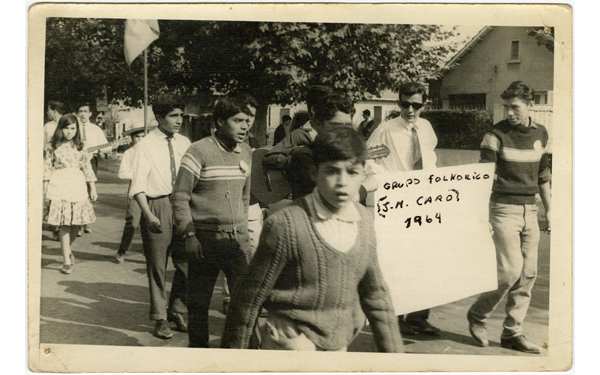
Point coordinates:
[(296, 274), (212, 190), (521, 161)]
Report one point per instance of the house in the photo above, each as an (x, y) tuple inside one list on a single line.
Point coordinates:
[(488, 64)]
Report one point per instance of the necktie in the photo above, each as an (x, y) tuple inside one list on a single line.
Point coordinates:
[(172, 156), (417, 157), (83, 137)]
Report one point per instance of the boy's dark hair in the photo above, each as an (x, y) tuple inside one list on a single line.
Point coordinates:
[(367, 112), (338, 143), (300, 118), (58, 136), (163, 106), (85, 104), (323, 103), (412, 88), (520, 90), (229, 106), (286, 118), (246, 98), (57, 106)]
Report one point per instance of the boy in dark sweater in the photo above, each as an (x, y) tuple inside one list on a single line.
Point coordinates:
[(518, 147), (210, 205), (316, 269), (326, 108)]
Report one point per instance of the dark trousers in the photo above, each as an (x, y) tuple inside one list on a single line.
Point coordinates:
[(416, 316), (220, 251), (157, 247), (132, 222)]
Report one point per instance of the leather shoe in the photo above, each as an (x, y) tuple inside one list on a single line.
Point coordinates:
[(479, 333), (162, 330), (120, 258), (478, 330), (423, 326), (405, 329), (521, 344), (178, 319)]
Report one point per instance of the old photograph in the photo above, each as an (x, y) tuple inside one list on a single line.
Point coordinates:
[(239, 187)]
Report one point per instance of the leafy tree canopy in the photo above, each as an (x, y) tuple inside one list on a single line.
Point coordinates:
[(274, 61)]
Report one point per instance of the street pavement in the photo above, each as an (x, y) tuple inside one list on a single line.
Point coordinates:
[(105, 303)]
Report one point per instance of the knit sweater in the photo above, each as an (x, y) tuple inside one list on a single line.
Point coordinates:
[(297, 275), (212, 190), (521, 161)]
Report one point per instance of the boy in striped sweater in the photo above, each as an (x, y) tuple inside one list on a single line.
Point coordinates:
[(210, 205), (518, 147)]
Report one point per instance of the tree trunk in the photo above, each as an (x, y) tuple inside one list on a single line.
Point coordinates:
[(259, 129)]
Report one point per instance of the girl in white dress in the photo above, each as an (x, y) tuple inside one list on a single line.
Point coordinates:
[(66, 172)]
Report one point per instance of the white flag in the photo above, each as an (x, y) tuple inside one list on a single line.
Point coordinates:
[(138, 36)]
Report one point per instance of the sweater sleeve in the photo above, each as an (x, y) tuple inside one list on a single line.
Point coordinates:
[(187, 178), (255, 285), (279, 156), (490, 147), (544, 174), (377, 305)]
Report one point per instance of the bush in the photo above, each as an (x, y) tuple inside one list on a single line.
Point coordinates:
[(459, 129)]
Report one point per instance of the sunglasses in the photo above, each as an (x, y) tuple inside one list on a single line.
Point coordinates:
[(416, 106)]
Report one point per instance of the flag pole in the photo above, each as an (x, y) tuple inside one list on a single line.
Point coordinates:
[(146, 91)]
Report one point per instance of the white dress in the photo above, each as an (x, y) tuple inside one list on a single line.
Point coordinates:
[(67, 171)]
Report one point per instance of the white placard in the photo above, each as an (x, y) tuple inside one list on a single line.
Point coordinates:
[(433, 237)]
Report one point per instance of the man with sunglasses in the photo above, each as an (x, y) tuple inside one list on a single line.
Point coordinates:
[(412, 142)]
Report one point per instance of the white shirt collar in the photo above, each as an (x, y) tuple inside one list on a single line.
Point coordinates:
[(348, 214), (408, 125)]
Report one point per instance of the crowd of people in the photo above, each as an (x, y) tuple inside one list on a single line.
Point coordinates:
[(310, 269)]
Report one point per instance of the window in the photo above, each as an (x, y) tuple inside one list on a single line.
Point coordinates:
[(377, 114), (540, 98), (514, 50)]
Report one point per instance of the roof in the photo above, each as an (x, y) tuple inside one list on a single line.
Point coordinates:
[(469, 46)]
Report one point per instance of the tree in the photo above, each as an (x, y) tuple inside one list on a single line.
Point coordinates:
[(274, 61), (277, 61), (543, 36)]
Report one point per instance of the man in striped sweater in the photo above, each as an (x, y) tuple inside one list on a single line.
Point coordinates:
[(210, 205), (518, 147)]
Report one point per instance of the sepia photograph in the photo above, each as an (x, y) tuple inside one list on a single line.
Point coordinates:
[(238, 187)]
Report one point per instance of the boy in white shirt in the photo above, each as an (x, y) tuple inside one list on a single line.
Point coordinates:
[(133, 213)]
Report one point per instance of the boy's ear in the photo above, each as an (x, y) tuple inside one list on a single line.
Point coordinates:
[(313, 171)]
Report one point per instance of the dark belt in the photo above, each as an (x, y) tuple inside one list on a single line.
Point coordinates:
[(159, 197)]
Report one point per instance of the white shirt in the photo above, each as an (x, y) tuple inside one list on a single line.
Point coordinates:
[(49, 129), (152, 163), (397, 135), (338, 230), (94, 136), (126, 168)]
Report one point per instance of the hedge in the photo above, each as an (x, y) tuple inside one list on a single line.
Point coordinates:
[(458, 129)]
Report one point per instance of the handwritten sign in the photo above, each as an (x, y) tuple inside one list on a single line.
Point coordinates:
[(434, 241)]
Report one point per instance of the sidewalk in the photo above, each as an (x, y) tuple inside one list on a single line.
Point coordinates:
[(104, 303)]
